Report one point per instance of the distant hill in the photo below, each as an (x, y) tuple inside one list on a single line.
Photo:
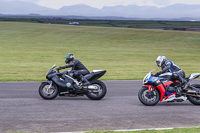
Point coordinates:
[(20, 7), (79, 10), (130, 11)]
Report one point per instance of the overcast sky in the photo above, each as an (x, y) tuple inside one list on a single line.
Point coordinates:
[(56, 4)]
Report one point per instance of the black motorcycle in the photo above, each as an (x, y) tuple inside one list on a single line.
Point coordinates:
[(64, 84)]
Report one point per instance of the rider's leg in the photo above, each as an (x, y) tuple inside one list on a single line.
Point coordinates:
[(178, 76), (82, 79), (181, 78)]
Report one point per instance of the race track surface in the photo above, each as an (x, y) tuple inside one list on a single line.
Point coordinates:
[(22, 109)]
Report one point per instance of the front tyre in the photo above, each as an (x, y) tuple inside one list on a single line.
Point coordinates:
[(195, 100), (48, 92), (99, 93), (148, 98)]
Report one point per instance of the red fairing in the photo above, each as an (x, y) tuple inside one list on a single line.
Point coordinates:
[(169, 95), (149, 87), (167, 83), (162, 89)]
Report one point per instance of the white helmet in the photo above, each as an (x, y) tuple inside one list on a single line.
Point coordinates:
[(160, 60)]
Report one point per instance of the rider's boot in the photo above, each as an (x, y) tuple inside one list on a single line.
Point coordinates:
[(84, 81), (178, 91), (183, 82)]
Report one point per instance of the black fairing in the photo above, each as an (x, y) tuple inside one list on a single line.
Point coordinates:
[(50, 75), (95, 75), (61, 82)]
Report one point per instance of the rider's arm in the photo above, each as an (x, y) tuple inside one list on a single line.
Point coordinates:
[(69, 65), (165, 69)]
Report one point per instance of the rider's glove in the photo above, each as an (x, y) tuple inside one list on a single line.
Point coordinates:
[(157, 74), (60, 68)]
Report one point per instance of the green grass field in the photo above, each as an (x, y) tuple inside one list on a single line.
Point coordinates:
[(28, 50)]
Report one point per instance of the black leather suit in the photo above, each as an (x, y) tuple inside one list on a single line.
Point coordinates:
[(78, 69)]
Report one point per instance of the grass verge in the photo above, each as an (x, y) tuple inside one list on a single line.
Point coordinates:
[(175, 130), (28, 50)]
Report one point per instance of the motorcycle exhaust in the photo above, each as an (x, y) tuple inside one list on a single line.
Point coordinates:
[(90, 87), (193, 93)]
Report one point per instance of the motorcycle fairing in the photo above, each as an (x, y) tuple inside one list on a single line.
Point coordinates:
[(95, 74), (63, 83), (170, 97), (193, 76), (166, 75), (153, 79), (160, 87), (162, 91)]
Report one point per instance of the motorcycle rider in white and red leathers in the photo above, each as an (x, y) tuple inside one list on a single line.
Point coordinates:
[(169, 66)]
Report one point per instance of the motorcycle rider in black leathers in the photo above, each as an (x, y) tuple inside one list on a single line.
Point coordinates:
[(78, 69), (169, 66)]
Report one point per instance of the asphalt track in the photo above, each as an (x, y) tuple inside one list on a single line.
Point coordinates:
[(23, 110)]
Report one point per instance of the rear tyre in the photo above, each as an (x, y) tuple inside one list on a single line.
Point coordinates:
[(192, 99), (48, 93), (148, 98), (97, 94)]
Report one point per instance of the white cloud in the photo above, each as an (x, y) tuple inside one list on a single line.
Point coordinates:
[(33, 1), (186, 1), (94, 3), (162, 2), (56, 4)]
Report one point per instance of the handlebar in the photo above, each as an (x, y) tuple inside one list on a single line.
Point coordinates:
[(57, 70)]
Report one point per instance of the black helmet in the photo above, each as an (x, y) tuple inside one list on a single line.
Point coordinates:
[(160, 60), (69, 57)]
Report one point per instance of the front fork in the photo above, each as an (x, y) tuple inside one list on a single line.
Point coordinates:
[(152, 88), (50, 84)]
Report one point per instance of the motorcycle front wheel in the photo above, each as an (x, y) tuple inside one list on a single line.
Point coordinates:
[(48, 92), (192, 99), (99, 93), (148, 98)]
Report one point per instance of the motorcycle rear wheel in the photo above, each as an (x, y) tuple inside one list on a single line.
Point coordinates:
[(48, 94), (195, 100), (101, 90), (148, 98)]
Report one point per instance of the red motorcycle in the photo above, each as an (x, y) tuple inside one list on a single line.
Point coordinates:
[(164, 89)]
